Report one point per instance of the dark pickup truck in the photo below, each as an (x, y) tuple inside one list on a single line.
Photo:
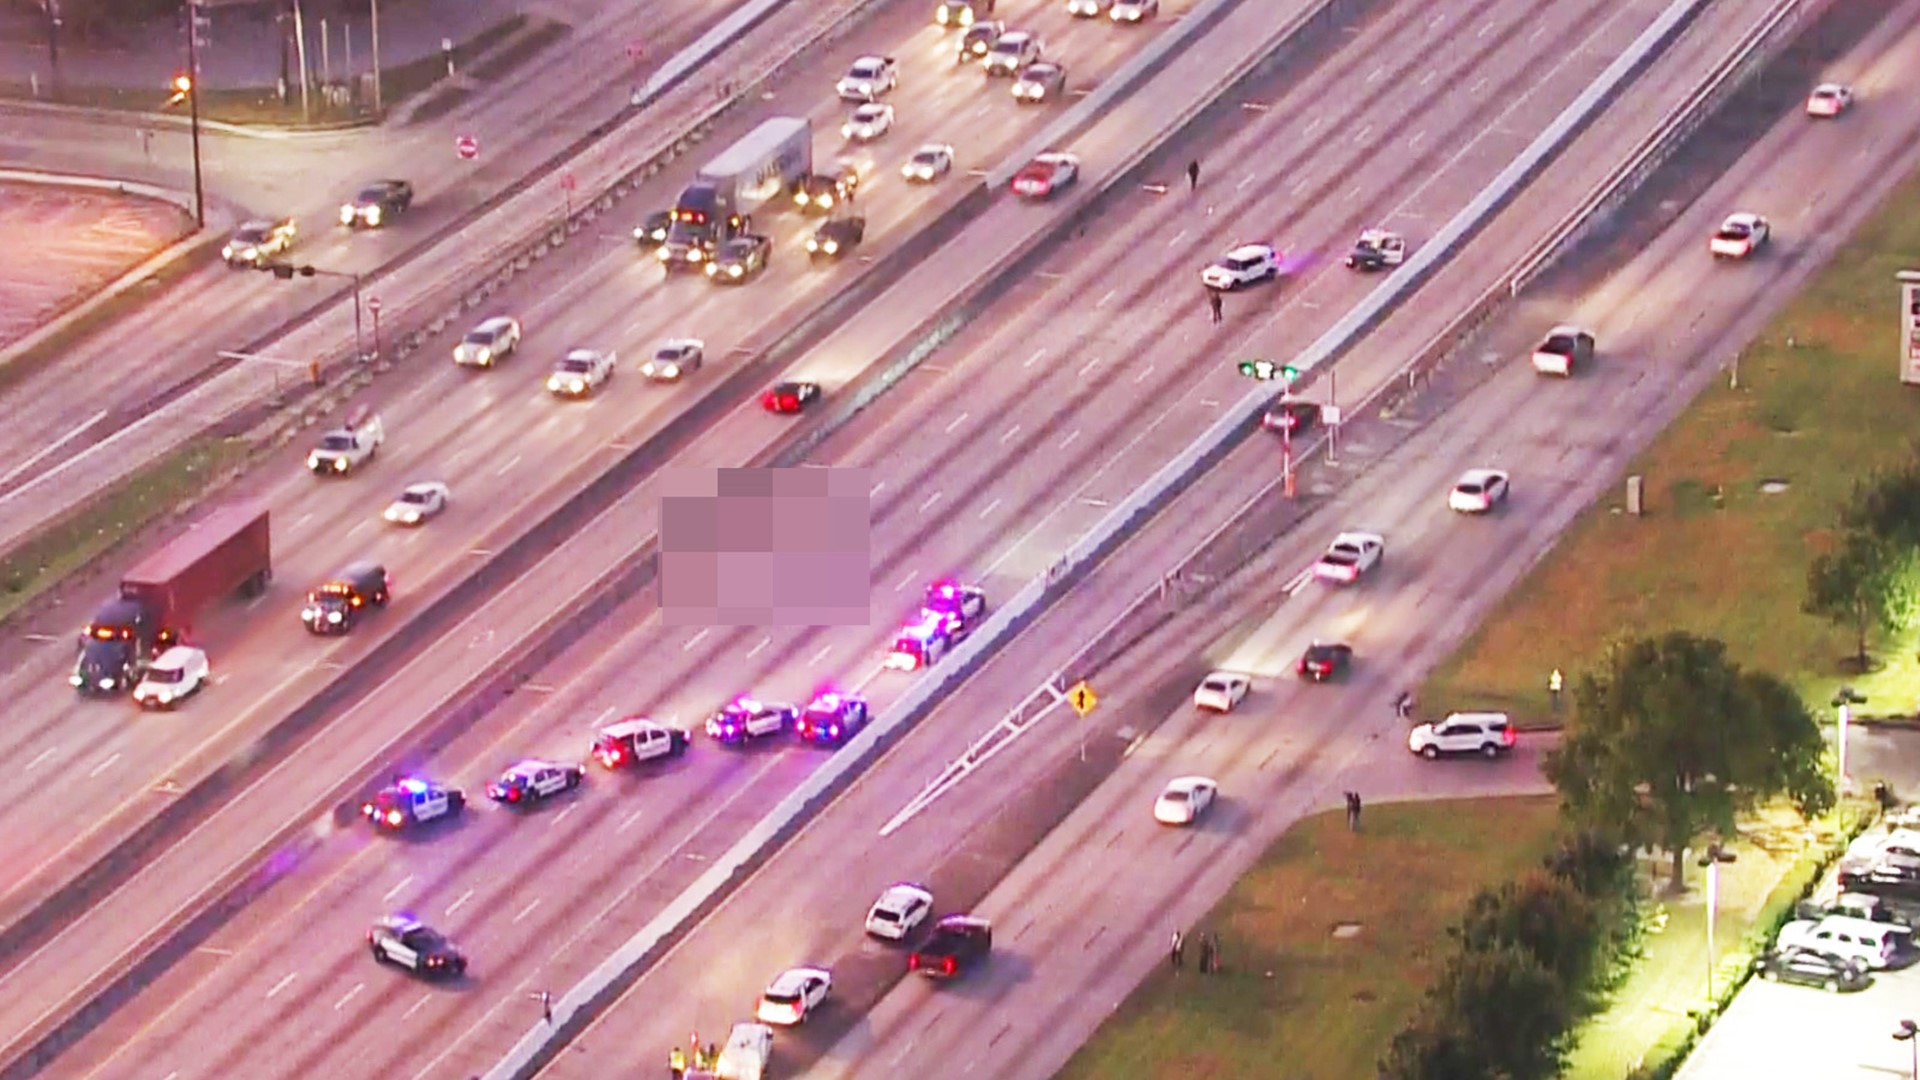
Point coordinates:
[(958, 942)]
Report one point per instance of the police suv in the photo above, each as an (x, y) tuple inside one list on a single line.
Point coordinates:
[(410, 801), (634, 740), (745, 718), (533, 780), (407, 942)]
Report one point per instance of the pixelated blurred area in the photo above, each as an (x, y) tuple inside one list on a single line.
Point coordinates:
[(766, 547)]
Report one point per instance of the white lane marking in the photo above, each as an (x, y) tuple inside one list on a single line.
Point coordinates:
[(1485, 30), (1376, 74), (42, 756), (1144, 372), (1538, 33), (1177, 237), (460, 903), (1245, 180), (931, 499), (528, 910), (875, 489), (349, 996), (395, 891), (1103, 300), (605, 715), (211, 951), (417, 1006), (695, 640), (755, 651), (906, 581), (1035, 358), (52, 446), (1068, 441), (508, 467), (360, 528), (988, 509), (104, 765), (1313, 127), (1011, 432), (1478, 85), (301, 521), (562, 815), (820, 656), (281, 985), (1428, 78), (1361, 135), (1299, 186), (1418, 138), (957, 421), (1434, 23), (1088, 368), (627, 822)]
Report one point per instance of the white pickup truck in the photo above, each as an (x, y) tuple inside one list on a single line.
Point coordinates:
[(346, 448)]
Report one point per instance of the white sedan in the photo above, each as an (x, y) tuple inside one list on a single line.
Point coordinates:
[(580, 373), (418, 503), (1221, 691), (792, 995), (1478, 491), (178, 673), (901, 909), (1350, 555), (677, 357), (1740, 236), (1829, 99), (1133, 11), (929, 163), (868, 122), (1185, 800), (1247, 264), (868, 78)]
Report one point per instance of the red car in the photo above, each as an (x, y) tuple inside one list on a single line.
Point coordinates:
[(1045, 175), (790, 397)]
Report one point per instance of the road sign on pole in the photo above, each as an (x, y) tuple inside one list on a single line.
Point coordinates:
[(1082, 698), (467, 147), (567, 181), (373, 304)]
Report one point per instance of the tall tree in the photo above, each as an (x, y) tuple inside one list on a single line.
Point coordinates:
[(1671, 740), (1869, 584), (1539, 914), (1492, 1015)]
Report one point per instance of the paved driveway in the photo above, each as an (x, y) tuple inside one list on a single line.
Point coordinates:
[(63, 244)]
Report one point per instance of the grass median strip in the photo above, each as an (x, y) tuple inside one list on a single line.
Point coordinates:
[(116, 514), (1298, 996), (1742, 490)]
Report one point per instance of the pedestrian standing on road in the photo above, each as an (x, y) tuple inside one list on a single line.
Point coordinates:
[(1403, 706), (677, 1063), (1206, 954), (1178, 954), (1353, 811), (1214, 305), (713, 1055), (1193, 175), (546, 1006)]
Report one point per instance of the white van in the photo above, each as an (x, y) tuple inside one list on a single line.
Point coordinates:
[(1872, 943), (746, 1053)]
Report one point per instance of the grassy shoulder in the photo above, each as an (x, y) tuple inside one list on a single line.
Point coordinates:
[(1741, 492), (119, 512), (1289, 991)]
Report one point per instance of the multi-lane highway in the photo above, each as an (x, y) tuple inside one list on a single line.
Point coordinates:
[(509, 451), (586, 78), (516, 903), (1089, 910)]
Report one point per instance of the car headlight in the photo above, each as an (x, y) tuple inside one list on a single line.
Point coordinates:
[(346, 215), (832, 246), (483, 355), (373, 215), (735, 270), (696, 255), (105, 684), (227, 252), (313, 461), (333, 616), (411, 516), (663, 254), (671, 371), (813, 244), (339, 464)]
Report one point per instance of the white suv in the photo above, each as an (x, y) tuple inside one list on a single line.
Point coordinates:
[(1247, 264), (1487, 734)]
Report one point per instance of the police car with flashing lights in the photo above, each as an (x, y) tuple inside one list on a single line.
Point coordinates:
[(746, 718), (923, 642), (406, 942), (967, 601), (411, 801), (832, 719), (533, 780), (635, 740)]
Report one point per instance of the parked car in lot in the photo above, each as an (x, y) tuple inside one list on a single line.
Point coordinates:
[(1810, 967)]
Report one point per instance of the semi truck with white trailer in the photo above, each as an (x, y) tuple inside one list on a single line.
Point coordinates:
[(763, 168)]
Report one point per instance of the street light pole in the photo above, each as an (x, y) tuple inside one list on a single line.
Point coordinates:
[(1714, 856), (378, 110), (1906, 1033), (53, 48), (289, 271), (193, 109)]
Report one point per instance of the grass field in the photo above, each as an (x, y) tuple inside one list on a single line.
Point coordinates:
[(1294, 1001), (119, 512), (1819, 403)]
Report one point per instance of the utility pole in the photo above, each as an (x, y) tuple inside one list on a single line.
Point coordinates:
[(53, 48), (378, 108), (300, 48), (193, 109)]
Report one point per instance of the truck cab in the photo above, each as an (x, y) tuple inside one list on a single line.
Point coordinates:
[(348, 447), (115, 647), (702, 220), (336, 606)]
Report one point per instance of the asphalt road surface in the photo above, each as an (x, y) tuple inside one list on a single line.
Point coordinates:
[(331, 898), (585, 78), (65, 243), (510, 452), (1085, 915)]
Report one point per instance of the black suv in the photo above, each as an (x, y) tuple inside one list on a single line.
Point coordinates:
[(837, 237), (957, 943), (740, 259), (1810, 968), (333, 608), (377, 204)]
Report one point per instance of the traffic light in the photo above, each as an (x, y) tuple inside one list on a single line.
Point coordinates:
[(1267, 370), (182, 85), (286, 271)]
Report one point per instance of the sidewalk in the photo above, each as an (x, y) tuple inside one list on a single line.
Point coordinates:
[(245, 46)]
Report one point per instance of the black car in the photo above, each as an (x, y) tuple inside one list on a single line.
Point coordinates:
[(1810, 968), (377, 204), (739, 259), (836, 238), (407, 942), (1289, 416), (958, 942), (790, 397), (818, 193), (1322, 661), (336, 606), (979, 40), (652, 233)]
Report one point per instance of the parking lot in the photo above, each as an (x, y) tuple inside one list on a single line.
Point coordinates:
[(1780, 1030), (63, 244)]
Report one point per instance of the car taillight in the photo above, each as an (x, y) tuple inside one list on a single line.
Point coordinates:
[(946, 965), (913, 962), (367, 810), (1510, 736)]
